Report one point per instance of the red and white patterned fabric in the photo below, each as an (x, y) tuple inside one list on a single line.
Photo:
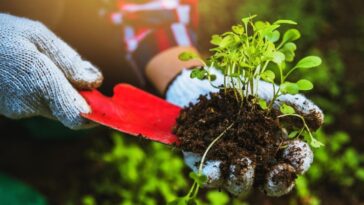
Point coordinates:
[(150, 27)]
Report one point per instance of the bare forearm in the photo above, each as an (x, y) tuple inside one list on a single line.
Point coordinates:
[(162, 68)]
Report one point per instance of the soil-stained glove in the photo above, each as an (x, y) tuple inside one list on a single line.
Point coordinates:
[(39, 74), (184, 90)]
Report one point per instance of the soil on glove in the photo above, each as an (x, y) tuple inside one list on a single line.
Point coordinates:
[(255, 133)]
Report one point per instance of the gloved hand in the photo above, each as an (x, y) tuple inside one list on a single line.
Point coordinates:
[(39, 74), (297, 153)]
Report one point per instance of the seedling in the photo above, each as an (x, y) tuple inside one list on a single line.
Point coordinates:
[(244, 55), (250, 52)]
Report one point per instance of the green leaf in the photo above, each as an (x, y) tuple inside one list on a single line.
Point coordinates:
[(268, 76), (243, 64), (217, 198), (278, 57), (186, 56), (304, 84), (291, 35), (292, 134), (285, 21), (216, 40), (238, 29), (360, 174), (198, 73), (263, 104), (289, 88), (273, 36), (226, 41), (259, 25), (315, 143), (286, 109), (179, 201), (247, 19), (199, 179), (289, 51), (309, 62)]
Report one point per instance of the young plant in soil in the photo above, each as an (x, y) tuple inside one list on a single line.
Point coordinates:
[(236, 121)]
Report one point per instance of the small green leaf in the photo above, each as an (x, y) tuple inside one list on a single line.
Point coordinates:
[(309, 62), (198, 73), (289, 88), (285, 21), (259, 25), (186, 56), (289, 51), (226, 41), (199, 179), (247, 19), (179, 201), (268, 76), (216, 40), (263, 104), (315, 143), (304, 84), (291, 35), (292, 134), (278, 57), (286, 109), (273, 36), (360, 174), (238, 29), (217, 198)]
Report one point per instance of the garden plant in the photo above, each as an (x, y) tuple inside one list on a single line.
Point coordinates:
[(258, 140)]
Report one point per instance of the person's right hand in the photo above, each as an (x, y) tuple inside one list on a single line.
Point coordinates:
[(39, 74), (297, 155)]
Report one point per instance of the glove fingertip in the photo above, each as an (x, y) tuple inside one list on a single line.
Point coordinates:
[(241, 177), (86, 76), (213, 172), (280, 180), (312, 114), (67, 107), (299, 155), (211, 168)]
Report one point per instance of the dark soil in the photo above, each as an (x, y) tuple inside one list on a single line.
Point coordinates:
[(255, 133)]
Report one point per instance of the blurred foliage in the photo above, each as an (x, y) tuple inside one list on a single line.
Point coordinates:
[(134, 174), (153, 174)]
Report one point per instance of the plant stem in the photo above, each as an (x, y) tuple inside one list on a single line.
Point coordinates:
[(192, 189), (276, 95), (287, 74), (209, 147), (305, 126)]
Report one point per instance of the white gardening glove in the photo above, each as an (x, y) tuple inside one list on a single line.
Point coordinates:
[(39, 74), (184, 90)]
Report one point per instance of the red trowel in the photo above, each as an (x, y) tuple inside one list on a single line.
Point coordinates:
[(134, 111)]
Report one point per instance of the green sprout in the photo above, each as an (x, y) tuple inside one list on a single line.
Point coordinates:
[(254, 51), (250, 52)]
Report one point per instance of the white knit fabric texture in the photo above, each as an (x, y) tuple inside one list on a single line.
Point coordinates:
[(39, 73)]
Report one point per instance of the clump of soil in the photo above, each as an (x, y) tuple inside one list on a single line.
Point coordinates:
[(256, 133)]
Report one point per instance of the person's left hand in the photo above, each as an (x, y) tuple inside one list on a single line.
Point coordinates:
[(298, 155), (40, 74)]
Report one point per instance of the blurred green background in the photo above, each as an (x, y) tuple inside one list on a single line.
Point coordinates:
[(103, 167)]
